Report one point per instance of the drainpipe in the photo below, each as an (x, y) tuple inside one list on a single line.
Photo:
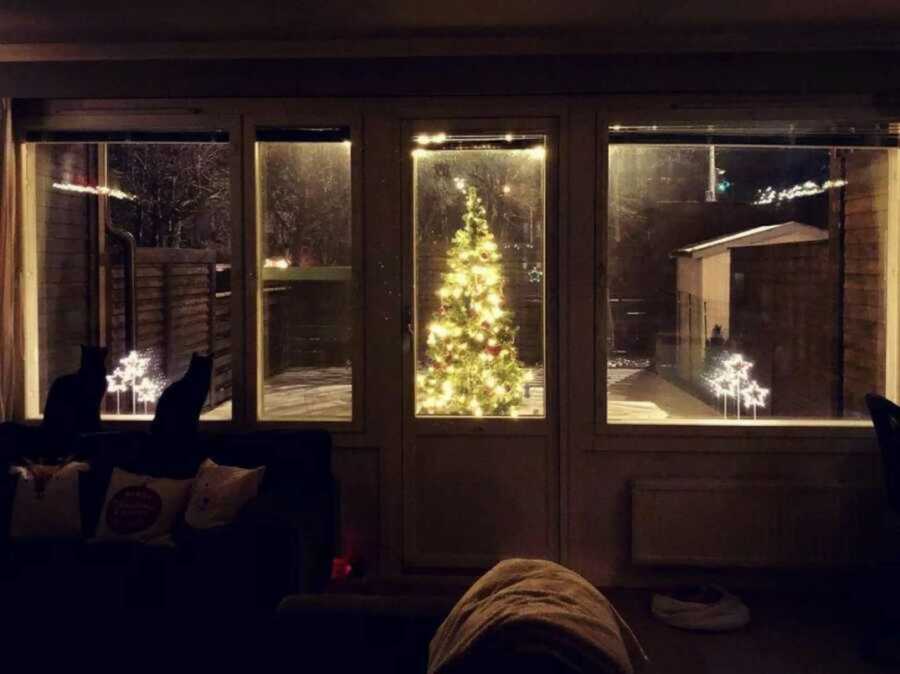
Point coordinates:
[(129, 247), (711, 186)]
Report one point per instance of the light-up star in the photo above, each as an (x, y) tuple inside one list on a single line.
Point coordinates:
[(754, 397)]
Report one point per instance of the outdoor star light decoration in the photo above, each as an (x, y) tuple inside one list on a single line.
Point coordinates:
[(133, 375), (731, 379)]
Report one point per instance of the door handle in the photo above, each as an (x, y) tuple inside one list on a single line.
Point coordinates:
[(407, 329)]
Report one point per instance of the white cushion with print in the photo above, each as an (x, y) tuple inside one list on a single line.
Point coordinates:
[(46, 502), (220, 492), (141, 508)]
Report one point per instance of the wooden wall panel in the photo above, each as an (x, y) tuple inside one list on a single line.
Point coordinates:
[(357, 470), (865, 239), (782, 320), (65, 224), (471, 501)]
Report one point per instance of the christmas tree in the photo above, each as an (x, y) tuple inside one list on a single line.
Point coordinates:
[(471, 363)]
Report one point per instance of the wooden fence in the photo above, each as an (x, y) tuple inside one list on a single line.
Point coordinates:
[(179, 311)]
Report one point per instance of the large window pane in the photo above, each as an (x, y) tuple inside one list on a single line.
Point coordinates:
[(307, 256), (479, 278), (745, 281), (134, 252)]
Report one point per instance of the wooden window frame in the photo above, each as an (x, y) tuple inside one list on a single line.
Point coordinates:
[(296, 116), (416, 121), (679, 435), (111, 116)]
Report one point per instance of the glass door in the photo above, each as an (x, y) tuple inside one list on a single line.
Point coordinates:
[(479, 354)]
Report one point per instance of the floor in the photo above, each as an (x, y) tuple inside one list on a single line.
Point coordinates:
[(796, 635), (787, 635)]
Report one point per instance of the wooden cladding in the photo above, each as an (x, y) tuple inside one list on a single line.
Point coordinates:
[(66, 247), (745, 523), (865, 241)]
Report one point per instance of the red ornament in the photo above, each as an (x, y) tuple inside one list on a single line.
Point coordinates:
[(493, 350)]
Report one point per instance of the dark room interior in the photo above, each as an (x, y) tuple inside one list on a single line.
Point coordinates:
[(449, 338)]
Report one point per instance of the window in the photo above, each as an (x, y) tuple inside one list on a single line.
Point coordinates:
[(746, 272), (307, 305), (478, 212), (130, 237)]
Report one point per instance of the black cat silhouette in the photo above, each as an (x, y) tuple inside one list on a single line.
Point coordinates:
[(178, 408), (73, 402)]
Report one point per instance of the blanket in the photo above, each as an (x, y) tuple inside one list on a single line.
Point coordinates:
[(533, 615)]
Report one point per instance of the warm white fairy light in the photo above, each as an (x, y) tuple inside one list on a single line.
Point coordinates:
[(100, 190), (809, 188), (425, 139), (732, 380), (276, 263)]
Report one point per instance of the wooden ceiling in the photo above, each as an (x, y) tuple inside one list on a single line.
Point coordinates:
[(40, 29)]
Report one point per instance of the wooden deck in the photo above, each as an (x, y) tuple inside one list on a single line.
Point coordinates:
[(324, 394)]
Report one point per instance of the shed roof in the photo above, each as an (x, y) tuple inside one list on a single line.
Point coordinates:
[(766, 235)]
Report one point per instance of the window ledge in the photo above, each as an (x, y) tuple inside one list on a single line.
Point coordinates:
[(806, 436)]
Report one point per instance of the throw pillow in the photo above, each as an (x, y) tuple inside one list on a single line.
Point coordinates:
[(141, 508), (220, 492), (46, 502)]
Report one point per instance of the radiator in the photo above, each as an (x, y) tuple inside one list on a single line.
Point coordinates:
[(748, 523)]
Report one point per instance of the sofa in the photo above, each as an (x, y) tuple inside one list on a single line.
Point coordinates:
[(281, 542)]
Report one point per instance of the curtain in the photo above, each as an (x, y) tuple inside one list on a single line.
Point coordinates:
[(11, 347)]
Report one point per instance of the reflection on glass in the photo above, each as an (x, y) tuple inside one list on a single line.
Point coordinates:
[(745, 282), (134, 251), (307, 331), (479, 258)]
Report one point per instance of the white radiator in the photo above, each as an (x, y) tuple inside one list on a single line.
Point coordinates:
[(705, 522)]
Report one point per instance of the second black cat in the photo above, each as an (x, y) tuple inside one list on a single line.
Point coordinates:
[(178, 408)]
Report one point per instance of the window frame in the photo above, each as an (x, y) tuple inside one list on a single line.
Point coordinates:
[(547, 123), (742, 435), (132, 116), (340, 116)]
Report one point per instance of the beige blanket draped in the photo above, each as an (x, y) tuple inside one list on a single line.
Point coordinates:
[(529, 615), (10, 323)]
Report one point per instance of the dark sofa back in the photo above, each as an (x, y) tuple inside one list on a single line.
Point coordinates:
[(298, 488)]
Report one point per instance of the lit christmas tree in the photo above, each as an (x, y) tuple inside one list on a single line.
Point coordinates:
[(471, 362)]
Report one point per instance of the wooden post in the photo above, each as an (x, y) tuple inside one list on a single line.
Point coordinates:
[(168, 305), (213, 399), (28, 282), (891, 259), (837, 171)]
